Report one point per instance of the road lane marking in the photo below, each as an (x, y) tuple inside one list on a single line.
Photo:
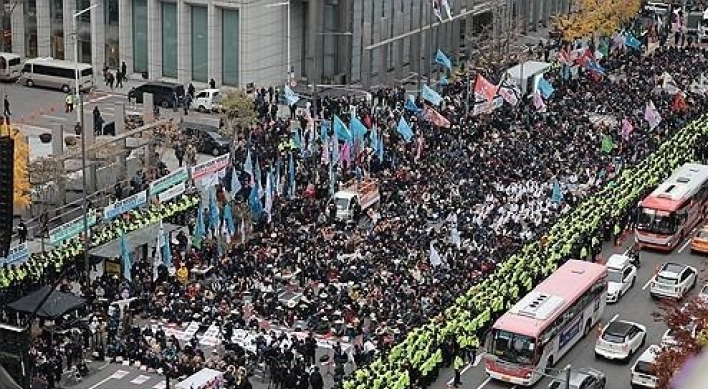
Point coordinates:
[(96, 99), (648, 283), (50, 117), (101, 382), (684, 245), (613, 318), (463, 371), (104, 366), (479, 387), (477, 360)]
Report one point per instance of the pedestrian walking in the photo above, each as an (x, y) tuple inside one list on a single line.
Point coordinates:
[(212, 84), (179, 154), (111, 79), (69, 102), (6, 104), (22, 231), (124, 71), (97, 121), (119, 79)]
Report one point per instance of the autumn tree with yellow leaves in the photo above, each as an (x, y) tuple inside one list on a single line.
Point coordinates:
[(22, 197), (596, 17)]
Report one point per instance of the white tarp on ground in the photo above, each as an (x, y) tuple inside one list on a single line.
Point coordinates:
[(203, 379), (520, 75)]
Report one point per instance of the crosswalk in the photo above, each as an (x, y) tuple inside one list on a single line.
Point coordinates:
[(137, 379)]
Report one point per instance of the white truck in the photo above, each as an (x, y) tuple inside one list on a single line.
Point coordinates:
[(365, 193)]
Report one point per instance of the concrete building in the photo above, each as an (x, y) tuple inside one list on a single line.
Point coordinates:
[(237, 42)]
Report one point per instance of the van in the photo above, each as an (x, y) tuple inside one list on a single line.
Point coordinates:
[(621, 275), (57, 74), (164, 94), (643, 375), (657, 7), (207, 100)]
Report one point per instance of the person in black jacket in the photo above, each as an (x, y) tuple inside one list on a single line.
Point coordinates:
[(316, 380)]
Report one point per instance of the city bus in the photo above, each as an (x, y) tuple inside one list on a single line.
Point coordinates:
[(10, 66), (535, 333), (57, 74), (671, 211)]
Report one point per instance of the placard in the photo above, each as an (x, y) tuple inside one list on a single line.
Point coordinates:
[(162, 184), (172, 192)]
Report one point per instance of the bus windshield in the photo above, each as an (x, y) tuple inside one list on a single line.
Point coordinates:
[(659, 222), (512, 348)]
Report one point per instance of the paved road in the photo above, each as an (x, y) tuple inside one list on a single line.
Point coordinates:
[(636, 305)]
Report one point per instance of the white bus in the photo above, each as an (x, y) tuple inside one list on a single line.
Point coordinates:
[(536, 332), (57, 74), (10, 66)]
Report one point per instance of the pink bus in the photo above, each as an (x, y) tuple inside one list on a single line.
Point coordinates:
[(536, 332)]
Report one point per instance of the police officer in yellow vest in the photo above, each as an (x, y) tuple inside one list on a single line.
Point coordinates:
[(457, 364)]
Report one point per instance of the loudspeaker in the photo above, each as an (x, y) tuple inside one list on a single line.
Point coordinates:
[(7, 170)]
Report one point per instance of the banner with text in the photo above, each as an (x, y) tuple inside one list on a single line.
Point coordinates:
[(172, 192), (71, 229), (210, 167), (17, 255), (162, 184), (127, 204)]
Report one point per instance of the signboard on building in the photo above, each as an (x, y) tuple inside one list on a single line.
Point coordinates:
[(127, 204), (71, 229)]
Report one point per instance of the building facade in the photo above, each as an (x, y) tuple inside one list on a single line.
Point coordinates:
[(238, 42)]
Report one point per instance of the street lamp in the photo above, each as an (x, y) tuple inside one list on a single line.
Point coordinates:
[(288, 68), (80, 125)]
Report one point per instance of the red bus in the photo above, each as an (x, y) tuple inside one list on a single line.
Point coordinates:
[(671, 211)]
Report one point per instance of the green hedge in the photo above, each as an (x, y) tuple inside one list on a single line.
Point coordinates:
[(473, 312)]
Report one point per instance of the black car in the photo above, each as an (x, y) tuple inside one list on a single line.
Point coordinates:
[(206, 139), (164, 94)]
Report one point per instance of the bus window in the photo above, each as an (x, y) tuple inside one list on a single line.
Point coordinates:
[(513, 348)]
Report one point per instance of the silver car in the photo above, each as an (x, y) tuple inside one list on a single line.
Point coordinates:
[(582, 378)]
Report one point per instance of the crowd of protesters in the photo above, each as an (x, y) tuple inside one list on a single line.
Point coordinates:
[(476, 191)]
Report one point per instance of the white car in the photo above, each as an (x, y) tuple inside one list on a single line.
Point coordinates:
[(207, 100), (621, 275), (620, 340), (643, 375), (669, 340), (703, 294), (673, 280)]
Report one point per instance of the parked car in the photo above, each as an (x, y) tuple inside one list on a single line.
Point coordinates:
[(673, 280), (206, 139), (621, 275), (207, 100), (582, 378), (163, 93), (620, 339), (643, 375)]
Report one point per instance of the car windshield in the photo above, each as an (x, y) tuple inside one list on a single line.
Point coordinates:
[(614, 276), (643, 367), (612, 338), (342, 204), (703, 234), (512, 348), (666, 280), (654, 221)]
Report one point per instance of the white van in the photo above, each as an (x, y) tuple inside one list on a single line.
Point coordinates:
[(643, 370), (621, 275), (10, 66), (53, 73), (207, 100)]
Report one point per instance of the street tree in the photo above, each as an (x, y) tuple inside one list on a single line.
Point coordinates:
[(596, 17), (681, 319), (240, 113), (21, 186)]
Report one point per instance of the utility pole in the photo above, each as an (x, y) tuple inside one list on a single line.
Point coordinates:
[(567, 376)]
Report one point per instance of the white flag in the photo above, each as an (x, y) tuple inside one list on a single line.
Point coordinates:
[(669, 84), (435, 259), (455, 238), (651, 115)]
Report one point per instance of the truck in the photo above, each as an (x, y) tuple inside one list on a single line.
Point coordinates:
[(365, 193)]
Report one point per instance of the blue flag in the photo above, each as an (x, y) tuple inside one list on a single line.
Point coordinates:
[(404, 129), (411, 106), (358, 128), (229, 219), (431, 95), (442, 59), (631, 41), (545, 88), (557, 194), (125, 257), (291, 177), (594, 66), (235, 183), (380, 150), (276, 184), (166, 249), (213, 210), (290, 96), (257, 173), (248, 166), (341, 130), (297, 139), (443, 81), (374, 139), (254, 202), (324, 129)]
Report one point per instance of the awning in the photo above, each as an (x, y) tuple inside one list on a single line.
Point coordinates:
[(146, 235), (57, 304)]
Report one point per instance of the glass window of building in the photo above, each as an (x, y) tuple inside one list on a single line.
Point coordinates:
[(230, 48), (56, 15), (169, 40), (112, 46), (329, 40), (200, 44), (84, 25), (31, 29), (140, 39)]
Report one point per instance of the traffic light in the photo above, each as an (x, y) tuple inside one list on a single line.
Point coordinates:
[(7, 169)]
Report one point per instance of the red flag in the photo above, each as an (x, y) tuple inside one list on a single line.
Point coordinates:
[(679, 103), (483, 89), (436, 118)]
